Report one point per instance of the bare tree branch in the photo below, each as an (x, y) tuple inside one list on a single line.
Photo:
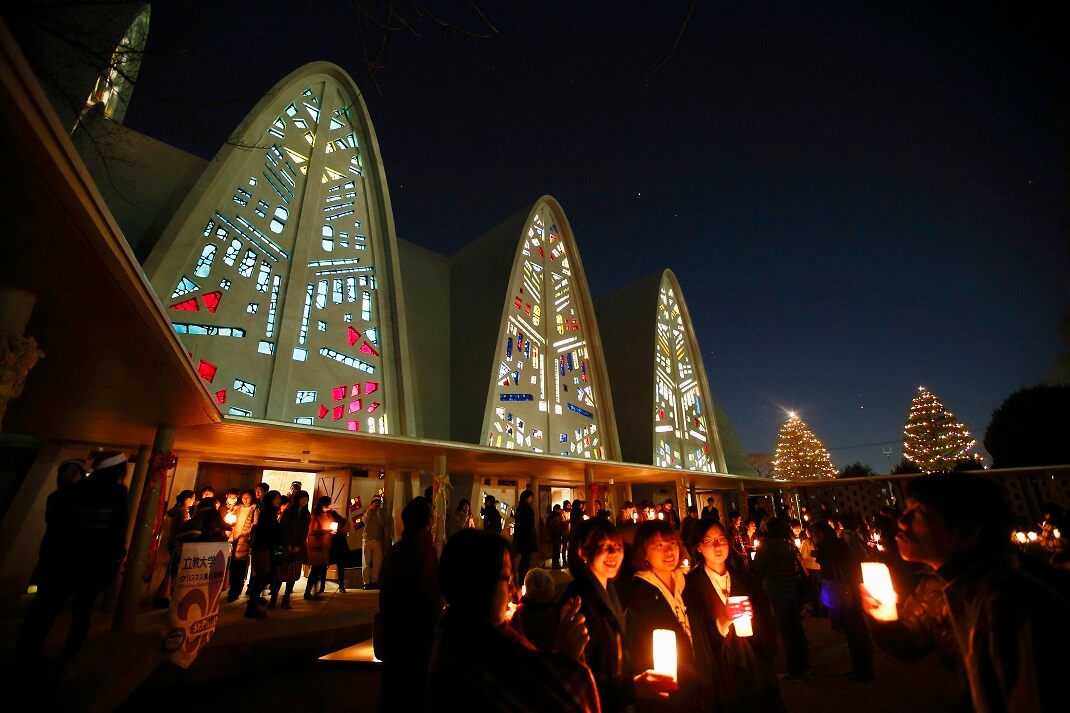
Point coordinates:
[(679, 36)]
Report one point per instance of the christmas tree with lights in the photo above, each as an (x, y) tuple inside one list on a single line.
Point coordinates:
[(933, 439), (800, 455)]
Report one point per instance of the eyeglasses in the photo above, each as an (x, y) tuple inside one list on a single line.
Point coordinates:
[(715, 542), (609, 548)]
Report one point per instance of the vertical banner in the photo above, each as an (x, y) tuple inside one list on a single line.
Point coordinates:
[(191, 621)]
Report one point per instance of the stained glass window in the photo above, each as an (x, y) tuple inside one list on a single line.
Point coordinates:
[(544, 362)]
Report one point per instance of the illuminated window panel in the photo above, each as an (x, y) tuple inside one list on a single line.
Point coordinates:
[(264, 215), (207, 330), (681, 421), (212, 300), (207, 370), (544, 368), (306, 397), (304, 420), (190, 305), (204, 263), (184, 287), (263, 276), (235, 411), (245, 387), (221, 396), (247, 263)]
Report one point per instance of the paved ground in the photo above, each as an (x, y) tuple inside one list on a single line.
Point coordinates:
[(271, 664)]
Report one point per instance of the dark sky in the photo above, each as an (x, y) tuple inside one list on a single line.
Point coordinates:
[(857, 198)]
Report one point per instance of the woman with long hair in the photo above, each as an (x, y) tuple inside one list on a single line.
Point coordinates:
[(480, 664), (295, 523), (267, 539), (596, 553), (738, 668)]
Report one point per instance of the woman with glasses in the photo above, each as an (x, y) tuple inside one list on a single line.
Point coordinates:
[(739, 669), (655, 601), (481, 664), (596, 552)]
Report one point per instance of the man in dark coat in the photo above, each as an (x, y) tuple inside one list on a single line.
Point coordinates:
[(409, 607), (90, 519)]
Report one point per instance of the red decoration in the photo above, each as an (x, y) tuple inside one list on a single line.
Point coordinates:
[(189, 305), (221, 396), (375, 405), (370, 387), (338, 412), (159, 465), (323, 410), (207, 370), (338, 393), (353, 336), (367, 349), (211, 300), (356, 390), (353, 425)]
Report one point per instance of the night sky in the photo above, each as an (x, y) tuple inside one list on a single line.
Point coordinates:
[(857, 198)]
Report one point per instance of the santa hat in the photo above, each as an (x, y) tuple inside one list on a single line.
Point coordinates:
[(106, 459)]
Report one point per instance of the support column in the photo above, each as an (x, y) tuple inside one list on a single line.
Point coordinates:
[(440, 482), (588, 481), (137, 484), (533, 486), (130, 591)]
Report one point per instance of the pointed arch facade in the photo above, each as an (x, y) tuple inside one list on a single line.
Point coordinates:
[(279, 271), (666, 414), (547, 389)]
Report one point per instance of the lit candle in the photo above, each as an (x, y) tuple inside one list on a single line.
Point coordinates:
[(756, 544), (1056, 533), (635, 517), (742, 623), (1032, 536), (878, 582), (798, 542), (1020, 536), (231, 518), (334, 527), (661, 516), (665, 652)]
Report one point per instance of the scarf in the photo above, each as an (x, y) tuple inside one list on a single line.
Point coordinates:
[(676, 601)]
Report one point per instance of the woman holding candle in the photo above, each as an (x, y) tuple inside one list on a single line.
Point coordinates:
[(596, 554), (318, 541), (739, 668), (480, 664), (240, 536), (656, 602)]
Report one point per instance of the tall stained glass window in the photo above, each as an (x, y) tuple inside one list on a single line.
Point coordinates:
[(303, 192), (545, 399), (681, 418)]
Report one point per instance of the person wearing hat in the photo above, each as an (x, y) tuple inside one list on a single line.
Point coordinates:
[(492, 519), (89, 518)]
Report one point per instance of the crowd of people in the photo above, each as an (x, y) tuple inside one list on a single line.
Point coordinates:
[(273, 538), (987, 610), (721, 597)]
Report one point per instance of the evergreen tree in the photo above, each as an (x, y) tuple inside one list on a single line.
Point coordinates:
[(799, 453), (933, 440)]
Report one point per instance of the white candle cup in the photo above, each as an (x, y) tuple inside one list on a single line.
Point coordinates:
[(665, 652), (878, 582), (334, 527), (743, 623)]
